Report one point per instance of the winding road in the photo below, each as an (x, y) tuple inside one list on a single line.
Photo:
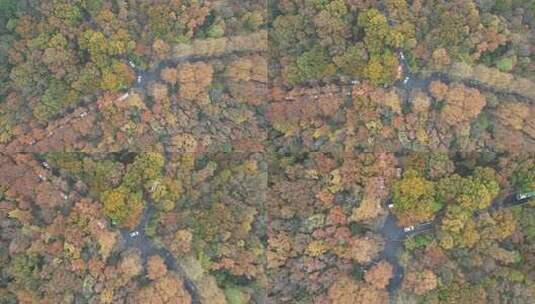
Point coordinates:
[(394, 234), (142, 242)]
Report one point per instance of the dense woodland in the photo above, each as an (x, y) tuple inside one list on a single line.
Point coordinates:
[(190, 151)]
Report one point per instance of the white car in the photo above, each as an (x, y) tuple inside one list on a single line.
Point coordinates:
[(390, 206), (406, 80), (402, 55), (131, 63), (46, 165), (134, 233), (522, 196), (139, 79), (124, 96), (408, 229)]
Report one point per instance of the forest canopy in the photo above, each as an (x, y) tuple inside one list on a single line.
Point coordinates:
[(286, 151)]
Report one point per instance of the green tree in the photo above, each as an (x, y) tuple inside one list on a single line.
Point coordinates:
[(165, 193), (69, 13), (380, 41), (24, 269), (311, 65), (523, 178), (8, 8), (375, 28), (92, 6), (96, 44), (353, 61), (289, 34), (56, 96), (382, 69), (146, 167), (472, 193), (414, 199), (123, 206), (117, 77), (458, 229)]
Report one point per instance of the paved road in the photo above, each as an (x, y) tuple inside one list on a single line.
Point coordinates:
[(394, 234), (141, 241), (146, 248)]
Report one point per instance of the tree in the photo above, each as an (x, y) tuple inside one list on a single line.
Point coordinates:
[(316, 248), (505, 64), (165, 193), (380, 40), (125, 204), (55, 97), (194, 79), (289, 33), (438, 89), (168, 289), (117, 77), (169, 75), (24, 269), (458, 229), (439, 165), (413, 198), (146, 167), (513, 114), (161, 49), (369, 209), (162, 21), (420, 282), (472, 193), (440, 58), (159, 92), (69, 13), (58, 57), (107, 241), (376, 29), (345, 290), (353, 61), (523, 177), (181, 242), (461, 104), (156, 267), (382, 69), (379, 275), (331, 29), (88, 79), (130, 265), (361, 250), (279, 248), (95, 43), (123, 207), (120, 43), (311, 65)]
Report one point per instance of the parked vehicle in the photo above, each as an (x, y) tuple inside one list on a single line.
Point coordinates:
[(124, 96), (525, 195), (408, 228)]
